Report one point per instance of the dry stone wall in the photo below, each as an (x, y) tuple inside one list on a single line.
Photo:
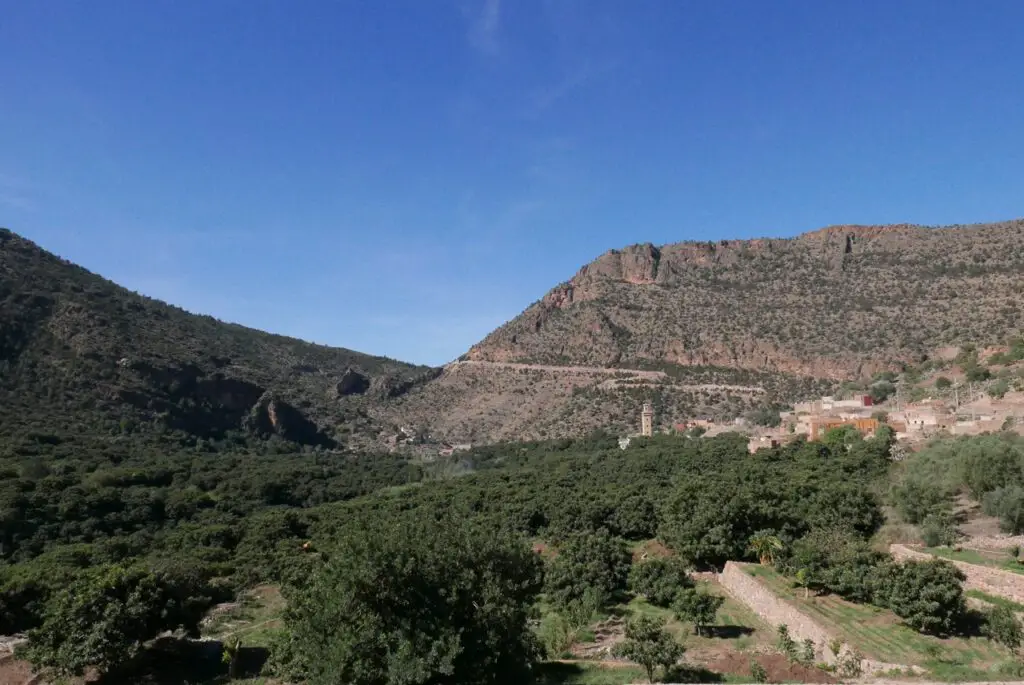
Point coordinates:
[(989, 580), (775, 611), (749, 590)]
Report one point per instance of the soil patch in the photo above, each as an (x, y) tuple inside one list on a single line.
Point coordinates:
[(651, 549), (14, 671), (778, 667), (607, 634)]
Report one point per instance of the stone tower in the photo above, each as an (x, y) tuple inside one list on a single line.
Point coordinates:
[(647, 420)]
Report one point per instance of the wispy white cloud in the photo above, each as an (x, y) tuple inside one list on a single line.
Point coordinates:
[(485, 24)]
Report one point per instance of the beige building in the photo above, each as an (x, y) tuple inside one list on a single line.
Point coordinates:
[(647, 420)]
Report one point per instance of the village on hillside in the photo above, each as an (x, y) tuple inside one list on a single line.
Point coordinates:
[(951, 404)]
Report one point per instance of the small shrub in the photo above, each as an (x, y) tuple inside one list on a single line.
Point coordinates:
[(850, 665), (555, 635), (999, 389), (786, 643), (807, 652), (757, 672), (938, 529), (1002, 626)]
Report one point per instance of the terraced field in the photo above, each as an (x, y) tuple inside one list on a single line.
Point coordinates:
[(878, 634), (995, 600), (736, 626), (1003, 562)]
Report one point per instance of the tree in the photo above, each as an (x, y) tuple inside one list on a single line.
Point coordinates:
[(881, 391), (648, 643), (765, 416), (414, 601), (975, 372), (1001, 625), (803, 579), (697, 607), (765, 545), (659, 580), (1008, 504), (635, 518), (927, 595), (942, 383), (598, 562), (999, 389), (835, 561), (103, 618), (916, 498)]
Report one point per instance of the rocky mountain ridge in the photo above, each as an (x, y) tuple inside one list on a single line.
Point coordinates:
[(838, 302), (701, 329)]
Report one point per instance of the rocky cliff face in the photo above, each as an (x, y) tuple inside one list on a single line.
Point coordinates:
[(839, 302)]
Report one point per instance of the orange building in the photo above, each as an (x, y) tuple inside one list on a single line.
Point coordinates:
[(818, 427)]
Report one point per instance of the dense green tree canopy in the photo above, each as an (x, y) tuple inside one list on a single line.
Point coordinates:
[(415, 602), (598, 563), (103, 618)]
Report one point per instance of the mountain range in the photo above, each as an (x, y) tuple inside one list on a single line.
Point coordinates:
[(701, 329)]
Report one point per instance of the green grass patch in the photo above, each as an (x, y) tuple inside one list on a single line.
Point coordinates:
[(995, 600), (1002, 562), (577, 673), (736, 625), (879, 635), (254, 620)]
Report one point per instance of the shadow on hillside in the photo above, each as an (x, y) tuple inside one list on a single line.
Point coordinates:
[(558, 673), (554, 673), (684, 673), (180, 661), (727, 632), (972, 624)]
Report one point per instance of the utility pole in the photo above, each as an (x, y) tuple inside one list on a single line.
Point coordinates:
[(971, 386)]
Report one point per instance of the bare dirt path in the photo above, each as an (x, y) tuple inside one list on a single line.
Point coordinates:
[(626, 376), (515, 366)]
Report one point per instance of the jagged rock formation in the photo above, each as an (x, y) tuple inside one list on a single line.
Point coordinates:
[(352, 383), (273, 416)]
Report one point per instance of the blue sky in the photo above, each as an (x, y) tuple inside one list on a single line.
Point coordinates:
[(400, 177)]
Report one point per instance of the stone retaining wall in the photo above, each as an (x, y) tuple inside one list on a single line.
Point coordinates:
[(989, 580), (774, 611)]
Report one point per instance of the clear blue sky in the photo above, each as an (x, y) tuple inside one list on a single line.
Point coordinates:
[(400, 177)]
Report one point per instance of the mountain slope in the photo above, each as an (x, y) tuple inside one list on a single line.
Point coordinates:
[(834, 303), (698, 329), (79, 354)]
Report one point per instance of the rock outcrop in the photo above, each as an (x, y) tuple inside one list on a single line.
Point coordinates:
[(352, 383), (273, 416)]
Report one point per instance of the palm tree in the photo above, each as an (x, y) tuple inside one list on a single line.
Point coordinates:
[(764, 544)]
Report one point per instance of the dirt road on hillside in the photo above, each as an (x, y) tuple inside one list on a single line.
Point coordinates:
[(623, 381)]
